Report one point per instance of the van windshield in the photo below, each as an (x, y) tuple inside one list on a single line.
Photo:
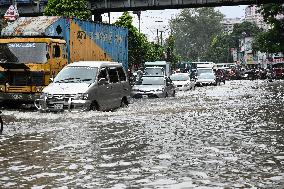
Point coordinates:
[(76, 74)]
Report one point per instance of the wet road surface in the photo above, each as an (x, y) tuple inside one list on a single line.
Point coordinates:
[(229, 136)]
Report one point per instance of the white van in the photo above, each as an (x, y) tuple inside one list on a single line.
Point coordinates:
[(86, 85)]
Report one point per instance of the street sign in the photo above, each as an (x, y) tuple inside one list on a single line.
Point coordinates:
[(12, 13)]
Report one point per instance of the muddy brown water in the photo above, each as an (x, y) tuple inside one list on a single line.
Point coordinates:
[(228, 136)]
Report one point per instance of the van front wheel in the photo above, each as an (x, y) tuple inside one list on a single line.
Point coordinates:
[(124, 103), (94, 107)]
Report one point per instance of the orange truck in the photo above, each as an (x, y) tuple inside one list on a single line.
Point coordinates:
[(34, 49)]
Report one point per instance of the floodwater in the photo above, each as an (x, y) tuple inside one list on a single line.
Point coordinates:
[(228, 136)]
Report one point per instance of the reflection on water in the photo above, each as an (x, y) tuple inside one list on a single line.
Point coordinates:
[(229, 136)]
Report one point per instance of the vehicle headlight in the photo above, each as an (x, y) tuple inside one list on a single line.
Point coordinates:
[(43, 95), (81, 96), (162, 89)]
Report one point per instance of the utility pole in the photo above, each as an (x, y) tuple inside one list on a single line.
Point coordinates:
[(139, 17), (161, 37), (109, 17), (158, 37)]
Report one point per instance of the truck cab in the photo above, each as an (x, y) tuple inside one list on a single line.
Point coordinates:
[(163, 64), (26, 66)]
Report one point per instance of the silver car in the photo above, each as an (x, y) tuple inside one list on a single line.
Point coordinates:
[(153, 87), (206, 79), (182, 81), (86, 85)]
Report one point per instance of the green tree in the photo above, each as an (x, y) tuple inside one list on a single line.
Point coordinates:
[(219, 50), (244, 29), (140, 50), (136, 42), (172, 56), (155, 52), (194, 29), (221, 44), (273, 39), (68, 8)]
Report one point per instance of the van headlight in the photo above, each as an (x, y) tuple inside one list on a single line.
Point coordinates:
[(43, 95), (162, 89), (81, 96), (134, 89)]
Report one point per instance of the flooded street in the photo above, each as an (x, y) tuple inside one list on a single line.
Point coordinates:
[(229, 136)]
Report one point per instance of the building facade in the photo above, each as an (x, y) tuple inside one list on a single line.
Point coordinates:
[(253, 15), (228, 24)]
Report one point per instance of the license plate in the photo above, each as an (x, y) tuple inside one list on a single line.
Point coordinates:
[(58, 106), (17, 96), (144, 96)]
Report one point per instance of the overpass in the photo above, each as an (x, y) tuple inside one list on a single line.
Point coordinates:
[(105, 6), (98, 7)]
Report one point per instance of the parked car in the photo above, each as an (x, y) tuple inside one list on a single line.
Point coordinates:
[(182, 81), (206, 79), (86, 85), (153, 87)]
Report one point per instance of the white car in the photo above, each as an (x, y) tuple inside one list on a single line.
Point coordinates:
[(206, 79), (182, 81), (153, 87)]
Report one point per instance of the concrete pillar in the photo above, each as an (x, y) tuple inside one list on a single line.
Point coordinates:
[(97, 17)]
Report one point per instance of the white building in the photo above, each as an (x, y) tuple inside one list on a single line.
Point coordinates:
[(228, 24), (252, 15)]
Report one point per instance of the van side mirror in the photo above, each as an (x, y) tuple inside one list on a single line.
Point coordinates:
[(103, 81)]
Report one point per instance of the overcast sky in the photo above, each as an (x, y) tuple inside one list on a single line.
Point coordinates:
[(154, 20)]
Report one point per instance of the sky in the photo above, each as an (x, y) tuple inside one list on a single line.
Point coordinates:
[(154, 20)]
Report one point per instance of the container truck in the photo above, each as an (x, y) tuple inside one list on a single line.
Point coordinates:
[(34, 49)]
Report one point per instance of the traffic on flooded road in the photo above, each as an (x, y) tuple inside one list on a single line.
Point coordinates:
[(225, 136)]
